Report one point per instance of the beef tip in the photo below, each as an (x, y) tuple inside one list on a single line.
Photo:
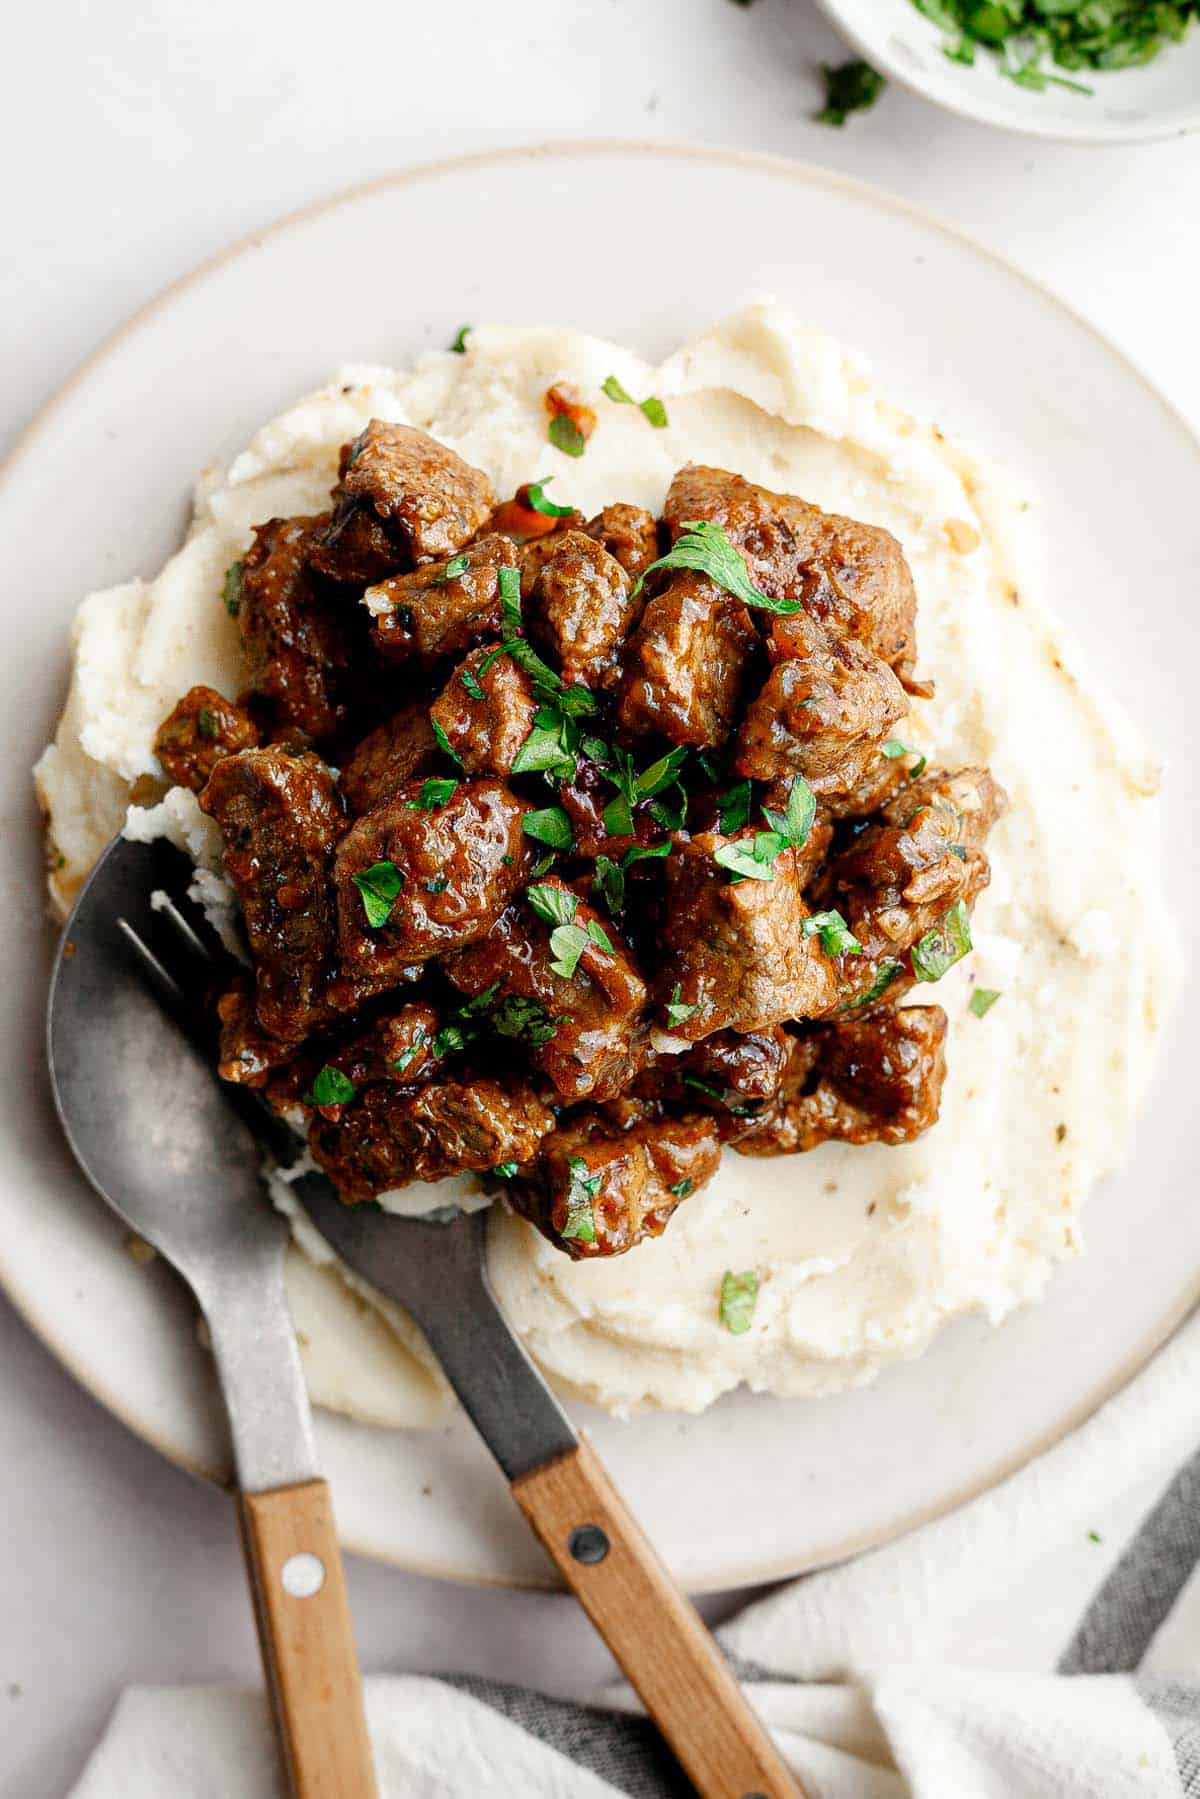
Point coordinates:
[(390, 755), (432, 613), (737, 950), (485, 734), (849, 576), (903, 875), (458, 862), (688, 664), (822, 714), (193, 738), (733, 1073), (248, 1055), (580, 610), (882, 779), (597, 1189), (388, 1136), (586, 1033), (281, 822), (298, 644), (628, 533), (875, 1080), (403, 499), (397, 1046)]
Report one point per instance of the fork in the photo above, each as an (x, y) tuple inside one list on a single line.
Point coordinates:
[(158, 1140), (436, 1269)]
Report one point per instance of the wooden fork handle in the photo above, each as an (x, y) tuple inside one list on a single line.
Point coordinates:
[(655, 1633), (307, 1641)]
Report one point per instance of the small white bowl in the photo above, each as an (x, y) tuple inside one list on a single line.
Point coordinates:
[(1161, 99)]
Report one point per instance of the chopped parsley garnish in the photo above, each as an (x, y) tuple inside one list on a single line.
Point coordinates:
[(409, 1056), (469, 681), (794, 824), (677, 1012), (855, 86), (734, 808), (983, 999), (457, 565), (568, 942), (893, 749), (565, 435), (550, 746), (231, 589), (438, 884), (1073, 34), (887, 972), (837, 939), (729, 1097), (580, 1222), (524, 1019), (536, 494), (460, 342), (739, 1296), (380, 888), (504, 1171), (682, 1188), (206, 724), (557, 905), (444, 744), (550, 826), (331, 1088), (705, 547), (543, 865), (609, 876), (751, 858), (450, 1039), (633, 788), (435, 792), (571, 702), (940, 949), (651, 409)]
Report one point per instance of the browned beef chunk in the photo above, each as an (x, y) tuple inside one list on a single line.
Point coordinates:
[(203, 727), (298, 649), (737, 951), (403, 499), (584, 798), (579, 608), (903, 875), (882, 778), (396, 1046), (460, 862), (389, 1135), (432, 614), (627, 532), (248, 1055), (402, 746), (822, 714), (485, 734), (878, 1080), (850, 576), (597, 1189), (585, 1032), (731, 1073), (688, 664), (280, 822)]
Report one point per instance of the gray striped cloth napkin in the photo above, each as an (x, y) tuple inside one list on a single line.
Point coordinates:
[(1041, 1643)]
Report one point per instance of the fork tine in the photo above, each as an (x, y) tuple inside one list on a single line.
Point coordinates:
[(188, 937), (164, 983)]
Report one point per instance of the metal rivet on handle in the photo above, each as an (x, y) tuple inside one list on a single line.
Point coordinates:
[(303, 1575), (588, 1544)]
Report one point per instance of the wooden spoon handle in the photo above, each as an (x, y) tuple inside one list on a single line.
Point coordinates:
[(655, 1633), (307, 1641)]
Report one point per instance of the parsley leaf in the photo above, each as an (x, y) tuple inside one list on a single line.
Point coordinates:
[(206, 724), (524, 1019), (893, 748), (457, 565), (434, 793), (565, 435), (568, 942), (557, 905), (734, 808), (580, 1222), (705, 546), (469, 681), (795, 824), (739, 1296), (940, 948), (887, 972), (331, 1088), (660, 774), (837, 939), (450, 1039), (983, 999), (751, 859), (550, 826), (444, 744), (728, 1097), (504, 1171), (545, 749), (608, 880), (677, 1012), (536, 492), (1073, 34), (682, 1188), (614, 390), (853, 87), (460, 342), (655, 412), (645, 852), (651, 409), (409, 1056), (380, 888), (231, 589)]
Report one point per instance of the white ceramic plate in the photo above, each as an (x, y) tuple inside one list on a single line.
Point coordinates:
[(1126, 106), (97, 491)]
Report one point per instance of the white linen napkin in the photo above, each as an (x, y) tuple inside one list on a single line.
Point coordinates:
[(1041, 1643)]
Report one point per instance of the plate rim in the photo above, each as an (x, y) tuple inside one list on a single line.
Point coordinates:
[(810, 173)]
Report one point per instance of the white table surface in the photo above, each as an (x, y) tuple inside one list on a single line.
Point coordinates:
[(137, 140)]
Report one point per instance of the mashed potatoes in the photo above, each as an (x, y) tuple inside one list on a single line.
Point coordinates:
[(862, 1253)]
